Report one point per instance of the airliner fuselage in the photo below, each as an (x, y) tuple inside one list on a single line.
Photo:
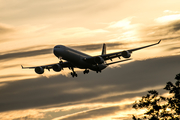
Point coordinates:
[(76, 58)]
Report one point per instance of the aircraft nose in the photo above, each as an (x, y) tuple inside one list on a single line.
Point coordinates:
[(58, 50), (55, 51)]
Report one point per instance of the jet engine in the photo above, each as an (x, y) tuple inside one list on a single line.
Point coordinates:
[(126, 54), (39, 70), (98, 60), (56, 67)]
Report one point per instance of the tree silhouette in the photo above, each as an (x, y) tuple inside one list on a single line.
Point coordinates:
[(159, 107)]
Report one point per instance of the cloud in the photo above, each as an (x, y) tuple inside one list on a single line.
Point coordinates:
[(125, 23), (112, 85), (5, 31), (80, 32), (150, 33), (27, 52), (8, 66), (97, 46), (175, 26), (22, 114), (91, 114), (54, 91), (63, 11), (174, 48), (5, 28), (11, 76), (167, 32), (170, 12), (10, 56), (168, 18), (169, 28)]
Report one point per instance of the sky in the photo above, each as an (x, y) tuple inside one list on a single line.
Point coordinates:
[(30, 29)]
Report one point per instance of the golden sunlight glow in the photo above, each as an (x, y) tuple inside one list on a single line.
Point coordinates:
[(124, 24), (168, 18), (29, 27), (40, 113)]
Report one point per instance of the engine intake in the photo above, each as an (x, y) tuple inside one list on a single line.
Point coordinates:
[(57, 68), (39, 70), (98, 60), (126, 54)]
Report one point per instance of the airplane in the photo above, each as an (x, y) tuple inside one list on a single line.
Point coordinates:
[(76, 59)]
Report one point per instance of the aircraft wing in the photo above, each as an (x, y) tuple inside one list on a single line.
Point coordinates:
[(143, 47), (118, 54), (63, 65)]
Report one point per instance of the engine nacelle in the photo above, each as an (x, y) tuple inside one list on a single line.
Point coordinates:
[(39, 70), (57, 67), (126, 54), (99, 60)]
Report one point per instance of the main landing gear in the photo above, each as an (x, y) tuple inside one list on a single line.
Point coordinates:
[(73, 73), (86, 71), (98, 71)]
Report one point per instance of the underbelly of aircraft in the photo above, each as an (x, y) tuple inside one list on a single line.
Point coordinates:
[(92, 67)]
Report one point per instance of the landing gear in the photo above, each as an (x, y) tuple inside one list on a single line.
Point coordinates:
[(98, 71), (73, 74), (60, 60), (86, 71)]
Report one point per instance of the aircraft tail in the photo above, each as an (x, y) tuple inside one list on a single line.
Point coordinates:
[(104, 49)]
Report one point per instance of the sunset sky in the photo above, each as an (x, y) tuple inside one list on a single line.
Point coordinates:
[(29, 29)]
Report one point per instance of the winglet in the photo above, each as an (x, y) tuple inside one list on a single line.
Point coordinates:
[(159, 41)]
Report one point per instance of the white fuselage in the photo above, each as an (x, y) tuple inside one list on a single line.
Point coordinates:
[(76, 58)]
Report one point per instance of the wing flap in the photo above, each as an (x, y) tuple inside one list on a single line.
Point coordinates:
[(111, 56), (118, 61)]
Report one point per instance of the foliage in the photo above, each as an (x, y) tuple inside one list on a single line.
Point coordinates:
[(159, 107)]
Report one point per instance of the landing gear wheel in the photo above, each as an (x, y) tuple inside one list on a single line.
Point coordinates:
[(98, 71), (86, 71), (73, 74)]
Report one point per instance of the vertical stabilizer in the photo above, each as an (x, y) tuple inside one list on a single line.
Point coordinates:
[(104, 49)]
